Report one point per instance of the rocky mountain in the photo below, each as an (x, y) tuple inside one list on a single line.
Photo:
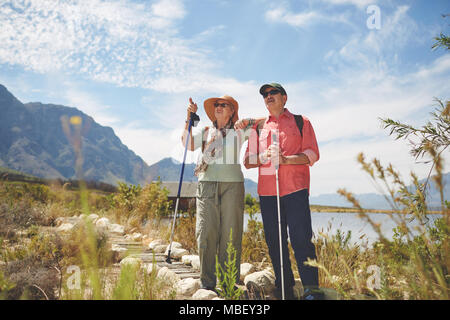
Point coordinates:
[(33, 141)]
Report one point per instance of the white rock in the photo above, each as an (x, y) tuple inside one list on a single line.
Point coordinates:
[(136, 236), (131, 261), (93, 217), (195, 263), (157, 242), (149, 267), (203, 294), (102, 223), (246, 268), (168, 275), (187, 259), (118, 252), (60, 220), (65, 227), (177, 253), (187, 286), (264, 279), (174, 245), (160, 248), (116, 228)]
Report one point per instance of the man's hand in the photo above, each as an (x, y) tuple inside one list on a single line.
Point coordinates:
[(241, 124)]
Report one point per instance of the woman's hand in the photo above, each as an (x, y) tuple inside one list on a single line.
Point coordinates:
[(192, 108)]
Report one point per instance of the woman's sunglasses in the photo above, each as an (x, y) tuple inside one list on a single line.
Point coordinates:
[(271, 92), (223, 105)]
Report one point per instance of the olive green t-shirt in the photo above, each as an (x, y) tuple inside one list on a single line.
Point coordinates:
[(224, 167)]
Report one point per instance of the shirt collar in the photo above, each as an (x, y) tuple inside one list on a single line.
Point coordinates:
[(286, 113)]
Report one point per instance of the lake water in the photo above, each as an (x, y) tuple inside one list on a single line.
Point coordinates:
[(330, 222)]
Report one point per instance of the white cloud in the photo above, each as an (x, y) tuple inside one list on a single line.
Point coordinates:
[(120, 42), (357, 3), (282, 14)]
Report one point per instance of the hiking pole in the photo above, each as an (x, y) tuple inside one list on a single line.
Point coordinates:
[(277, 165), (193, 120)]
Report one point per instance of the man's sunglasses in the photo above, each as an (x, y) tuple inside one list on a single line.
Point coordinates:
[(271, 92), (223, 105)]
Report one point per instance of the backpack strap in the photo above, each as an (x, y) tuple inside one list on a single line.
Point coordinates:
[(299, 121)]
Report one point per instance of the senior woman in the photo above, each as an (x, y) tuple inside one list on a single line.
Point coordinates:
[(220, 190)]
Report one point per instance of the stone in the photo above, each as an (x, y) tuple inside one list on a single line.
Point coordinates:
[(93, 217), (187, 286), (119, 252), (203, 294), (65, 227), (102, 223), (174, 245), (187, 259), (136, 236), (131, 261), (168, 275), (246, 268), (264, 279), (177, 253), (158, 242), (195, 263), (149, 267), (160, 248), (116, 228)]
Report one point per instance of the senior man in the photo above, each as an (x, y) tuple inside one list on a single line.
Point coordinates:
[(295, 149)]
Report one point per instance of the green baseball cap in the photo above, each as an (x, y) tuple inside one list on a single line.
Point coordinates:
[(273, 85)]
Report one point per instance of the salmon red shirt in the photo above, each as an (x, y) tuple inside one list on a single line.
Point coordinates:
[(291, 177)]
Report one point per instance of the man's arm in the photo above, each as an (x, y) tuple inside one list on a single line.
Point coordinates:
[(294, 159)]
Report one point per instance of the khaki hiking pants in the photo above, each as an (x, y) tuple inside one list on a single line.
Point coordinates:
[(220, 208)]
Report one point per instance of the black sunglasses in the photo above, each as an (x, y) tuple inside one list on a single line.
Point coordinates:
[(271, 92), (223, 105)]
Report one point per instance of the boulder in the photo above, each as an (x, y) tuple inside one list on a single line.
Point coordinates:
[(177, 253), (174, 245), (160, 248), (264, 279), (116, 228), (203, 294), (187, 259), (246, 268), (136, 236), (187, 286), (93, 217), (65, 227), (149, 267), (131, 261), (155, 243), (119, 252), (102, 223), (168, 275)]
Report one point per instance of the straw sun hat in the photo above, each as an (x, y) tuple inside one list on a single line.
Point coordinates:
[(209, 107)]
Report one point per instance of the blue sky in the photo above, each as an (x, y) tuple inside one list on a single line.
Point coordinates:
[(132, 65)]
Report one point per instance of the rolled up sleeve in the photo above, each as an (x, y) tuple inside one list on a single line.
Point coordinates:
[(309, 146)]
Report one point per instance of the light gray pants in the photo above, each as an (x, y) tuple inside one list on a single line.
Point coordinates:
[(220, 208)]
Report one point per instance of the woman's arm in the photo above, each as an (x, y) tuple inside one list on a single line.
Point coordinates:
[(192, 108)]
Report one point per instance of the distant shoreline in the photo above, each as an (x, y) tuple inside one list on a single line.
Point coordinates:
[(332, 209)]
